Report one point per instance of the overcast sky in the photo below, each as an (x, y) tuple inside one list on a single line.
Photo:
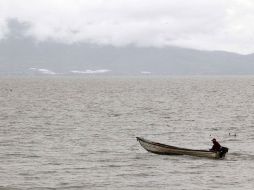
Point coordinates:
[(200, 24)]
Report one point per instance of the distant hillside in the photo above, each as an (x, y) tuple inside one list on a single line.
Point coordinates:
[(23, 55)]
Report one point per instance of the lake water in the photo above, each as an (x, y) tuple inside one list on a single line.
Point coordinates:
[(79, 133)]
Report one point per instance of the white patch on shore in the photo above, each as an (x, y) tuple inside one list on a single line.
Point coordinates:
[(145, 72), (43, 71), (91, 71)]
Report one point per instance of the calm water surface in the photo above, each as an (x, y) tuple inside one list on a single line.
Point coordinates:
[(79, 133)]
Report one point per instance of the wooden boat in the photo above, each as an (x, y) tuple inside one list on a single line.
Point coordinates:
[(159, 148)]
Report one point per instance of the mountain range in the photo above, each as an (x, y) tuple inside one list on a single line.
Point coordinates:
[(24, 55)]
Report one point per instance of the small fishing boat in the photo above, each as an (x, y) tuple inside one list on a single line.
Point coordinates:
[(164, 149)]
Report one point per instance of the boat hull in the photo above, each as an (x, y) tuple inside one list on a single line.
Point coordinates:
[(163, 149)]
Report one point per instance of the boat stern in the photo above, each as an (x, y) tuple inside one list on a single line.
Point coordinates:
[(223, 151)]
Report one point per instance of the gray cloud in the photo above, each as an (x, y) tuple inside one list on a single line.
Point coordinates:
[(201, 24)]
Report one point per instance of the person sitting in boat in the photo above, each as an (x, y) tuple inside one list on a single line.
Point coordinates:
[(216, 146)]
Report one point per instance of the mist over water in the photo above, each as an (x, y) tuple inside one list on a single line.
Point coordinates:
[(79, 133)]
